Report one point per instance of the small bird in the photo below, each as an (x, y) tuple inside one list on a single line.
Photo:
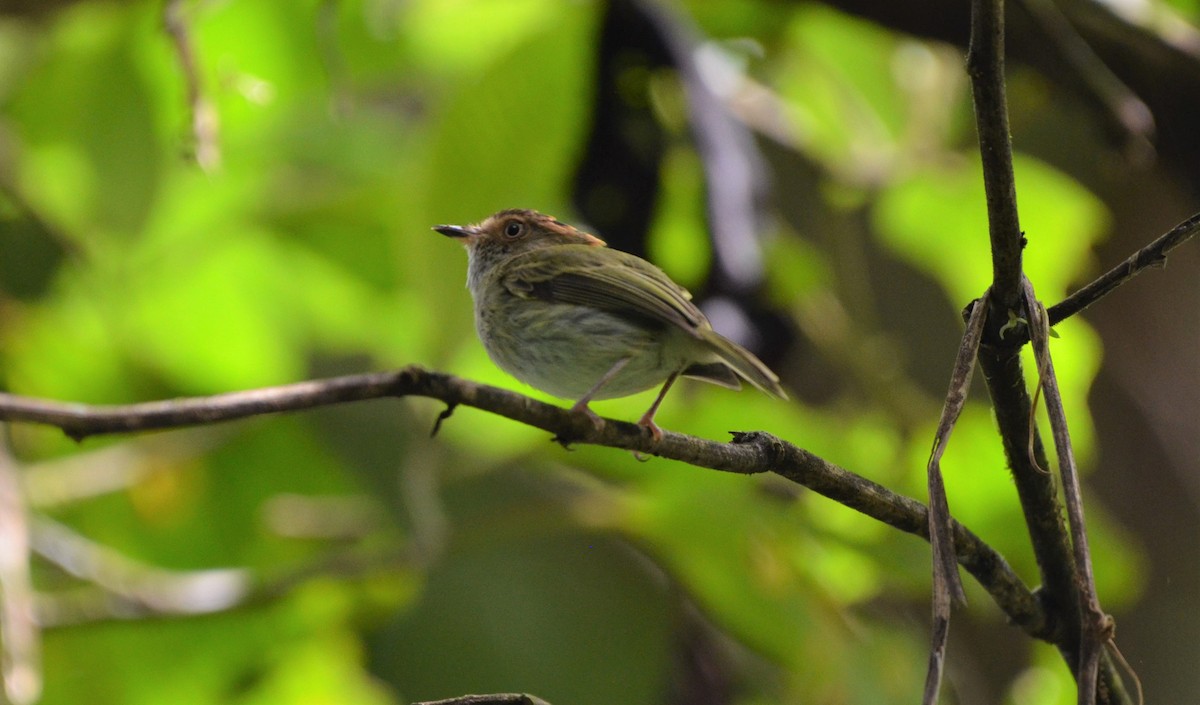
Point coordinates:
[(560, 311)]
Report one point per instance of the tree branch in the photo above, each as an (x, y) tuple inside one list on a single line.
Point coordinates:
[(1152, 255), (497, 699), (202, 114), (1095, 625), (749, 453), (999, 358), (947, 585), (985, 65), (20, 634)]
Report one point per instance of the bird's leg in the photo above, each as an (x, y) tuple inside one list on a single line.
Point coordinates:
[(647, 420), (581, 406)]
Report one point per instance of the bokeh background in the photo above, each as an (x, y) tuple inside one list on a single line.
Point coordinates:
[(198, 197)]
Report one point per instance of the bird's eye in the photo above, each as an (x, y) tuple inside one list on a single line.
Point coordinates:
[(513, 228)]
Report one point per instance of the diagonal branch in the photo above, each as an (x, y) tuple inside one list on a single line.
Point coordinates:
[(1152, 255), (749, 453)]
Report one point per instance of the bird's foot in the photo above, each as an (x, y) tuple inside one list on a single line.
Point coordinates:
[(647, 422), (581, 407)]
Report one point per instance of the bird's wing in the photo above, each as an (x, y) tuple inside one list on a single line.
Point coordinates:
[(609, 280)]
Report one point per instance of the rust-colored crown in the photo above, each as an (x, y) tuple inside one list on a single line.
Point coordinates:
[(516, 225)]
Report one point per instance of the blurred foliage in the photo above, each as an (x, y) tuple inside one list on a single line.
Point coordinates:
[(347, 129)]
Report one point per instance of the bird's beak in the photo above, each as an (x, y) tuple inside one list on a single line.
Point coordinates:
[(457, 231)]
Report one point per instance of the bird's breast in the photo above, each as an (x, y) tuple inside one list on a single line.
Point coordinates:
[(565, 349)]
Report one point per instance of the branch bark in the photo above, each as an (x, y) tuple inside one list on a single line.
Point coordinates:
[(496, 699), (985, 66), (1000, 362), (947, 586), (748, 453), (1095, 629), (20, 634), (1152, 255)]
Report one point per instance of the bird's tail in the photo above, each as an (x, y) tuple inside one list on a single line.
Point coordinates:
[(745, 364)]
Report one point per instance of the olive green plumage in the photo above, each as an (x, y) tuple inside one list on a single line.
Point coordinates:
[(560, 311)]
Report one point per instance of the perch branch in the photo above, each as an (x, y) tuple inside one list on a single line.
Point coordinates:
[(749, 453), (496, 699)]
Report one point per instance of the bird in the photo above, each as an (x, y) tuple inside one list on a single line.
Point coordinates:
[(559, 310)]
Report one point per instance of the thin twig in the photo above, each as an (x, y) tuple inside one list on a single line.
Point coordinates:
[(947, 586), (1119, 658), (1093, 622), (1152, 255), (202, 115), (749, 453), (20, 636)]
